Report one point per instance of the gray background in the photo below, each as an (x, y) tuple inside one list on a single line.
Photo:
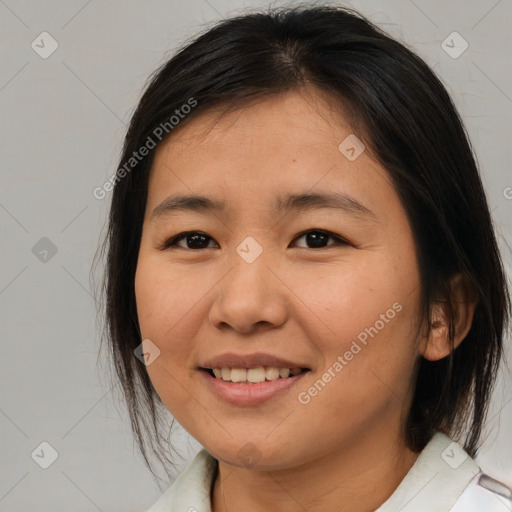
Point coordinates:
[(61, 128)]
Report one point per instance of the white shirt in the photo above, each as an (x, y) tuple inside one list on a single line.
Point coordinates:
[(444, 478)]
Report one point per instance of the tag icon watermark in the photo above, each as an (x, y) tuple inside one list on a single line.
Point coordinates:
[(44, 455), (44, 45), (454, 45), (351, 147), (147, 352), (249, 455), (249, 249), (44, 250), (454, 455)]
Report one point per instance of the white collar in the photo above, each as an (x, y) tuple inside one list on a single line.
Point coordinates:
[(436, 480), (440, 475)]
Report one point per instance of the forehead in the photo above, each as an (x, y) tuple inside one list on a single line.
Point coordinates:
[(285, 143), (307, 114)]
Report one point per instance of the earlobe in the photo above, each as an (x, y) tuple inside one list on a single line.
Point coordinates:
[(463, 300)]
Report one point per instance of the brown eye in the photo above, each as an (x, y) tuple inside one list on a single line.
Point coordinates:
[(318, 239), (192, 240)]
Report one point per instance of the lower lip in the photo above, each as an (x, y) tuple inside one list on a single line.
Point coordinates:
[(243, 394)]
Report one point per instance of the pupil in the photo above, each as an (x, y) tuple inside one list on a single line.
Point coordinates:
[(204, 243), (315, 237)]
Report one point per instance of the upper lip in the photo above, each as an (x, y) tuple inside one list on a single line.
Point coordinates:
[(232, 360)]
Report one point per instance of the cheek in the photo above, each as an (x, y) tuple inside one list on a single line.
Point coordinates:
[(365, 313), (164, 296), (150, 297), (171, 307), (345, 297), (166, 316)]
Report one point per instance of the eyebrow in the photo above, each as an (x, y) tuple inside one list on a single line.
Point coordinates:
[(288, 203)]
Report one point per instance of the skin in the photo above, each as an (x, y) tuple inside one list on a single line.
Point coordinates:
[(345, 449)]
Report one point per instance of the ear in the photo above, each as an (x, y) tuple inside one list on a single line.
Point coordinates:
[(464, 298)]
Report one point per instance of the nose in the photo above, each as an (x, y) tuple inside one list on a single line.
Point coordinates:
[(249, 297)]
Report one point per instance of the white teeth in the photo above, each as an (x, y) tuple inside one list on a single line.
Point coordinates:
[(254, 375), (238, 375), (284, 372), (272, 373)]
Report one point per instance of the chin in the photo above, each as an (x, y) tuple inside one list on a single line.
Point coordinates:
[(254, 455)]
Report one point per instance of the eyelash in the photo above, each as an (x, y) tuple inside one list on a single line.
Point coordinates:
[(171, 242)]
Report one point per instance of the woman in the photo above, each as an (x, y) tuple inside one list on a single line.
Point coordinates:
[(301, 257)]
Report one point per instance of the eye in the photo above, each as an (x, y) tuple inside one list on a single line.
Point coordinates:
[(317, 238), (196, 240), (192, 239)]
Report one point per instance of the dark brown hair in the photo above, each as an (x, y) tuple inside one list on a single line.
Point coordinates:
[(408, 123)]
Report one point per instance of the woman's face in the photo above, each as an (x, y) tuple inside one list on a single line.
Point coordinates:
[(340, 300)]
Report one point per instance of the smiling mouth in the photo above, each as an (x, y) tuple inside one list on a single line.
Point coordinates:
[(254, 375)]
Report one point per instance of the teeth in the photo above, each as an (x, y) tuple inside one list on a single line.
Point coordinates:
[(284, 372), (272, 373), (238, 375), (254, 375)]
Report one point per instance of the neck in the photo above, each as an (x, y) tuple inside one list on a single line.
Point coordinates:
[(359, 477)]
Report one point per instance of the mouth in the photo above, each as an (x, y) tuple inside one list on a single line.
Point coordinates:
[(254, 375), (250, 387)]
